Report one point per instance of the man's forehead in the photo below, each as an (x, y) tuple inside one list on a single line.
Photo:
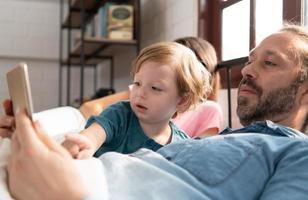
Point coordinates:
[(280, 45), (267, 52)]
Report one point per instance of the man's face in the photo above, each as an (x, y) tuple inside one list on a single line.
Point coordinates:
[(269, 86)]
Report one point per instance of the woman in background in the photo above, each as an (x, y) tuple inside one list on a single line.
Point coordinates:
[(207, 118)]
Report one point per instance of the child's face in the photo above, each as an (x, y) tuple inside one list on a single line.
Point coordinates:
[(154, 95)]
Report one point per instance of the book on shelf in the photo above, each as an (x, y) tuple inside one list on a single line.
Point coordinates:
[(100, 21), (102, 30), (112, 21), (120, 22)]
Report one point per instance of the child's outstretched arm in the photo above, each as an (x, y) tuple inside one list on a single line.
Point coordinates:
[(85, 144)]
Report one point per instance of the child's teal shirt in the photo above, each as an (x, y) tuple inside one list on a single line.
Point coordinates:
[(124, 133)]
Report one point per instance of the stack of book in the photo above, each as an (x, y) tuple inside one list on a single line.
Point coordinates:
[(112, 21)]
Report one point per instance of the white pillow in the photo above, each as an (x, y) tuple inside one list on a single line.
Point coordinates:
[(4, 153), (58, 121)]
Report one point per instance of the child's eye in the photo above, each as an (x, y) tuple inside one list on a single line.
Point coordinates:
[(269, 63), (136, 83), (156, 88)]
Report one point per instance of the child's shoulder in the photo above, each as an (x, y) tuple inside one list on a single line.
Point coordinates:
[(123, 104), (121, 108)]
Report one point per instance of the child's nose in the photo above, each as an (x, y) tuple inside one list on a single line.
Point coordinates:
[(142, 92)]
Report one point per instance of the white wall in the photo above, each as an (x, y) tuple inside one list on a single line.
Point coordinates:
[(29, 32), (168, 20)]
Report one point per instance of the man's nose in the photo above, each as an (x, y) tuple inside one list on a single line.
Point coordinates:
[(249, 70)]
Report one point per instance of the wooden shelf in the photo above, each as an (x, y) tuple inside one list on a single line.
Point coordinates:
[(75, 20), (98, 49), (90, 6), (91, 62), (95, 50)]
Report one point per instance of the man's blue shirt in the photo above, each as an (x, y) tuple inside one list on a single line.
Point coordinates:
[(260, 161)]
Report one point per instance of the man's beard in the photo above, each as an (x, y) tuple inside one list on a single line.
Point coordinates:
[(275, 104)]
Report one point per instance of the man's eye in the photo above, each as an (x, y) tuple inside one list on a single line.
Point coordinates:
[(156, 88), (269, 63), (247, 63)]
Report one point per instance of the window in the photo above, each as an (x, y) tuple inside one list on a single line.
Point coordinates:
[(235, 20), (305, 18), (268, 20), (236, 23)]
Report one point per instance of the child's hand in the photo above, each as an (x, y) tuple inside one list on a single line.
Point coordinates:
[(71, 147), (79, 146)]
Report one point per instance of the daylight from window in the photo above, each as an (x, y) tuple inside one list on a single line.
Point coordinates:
[(268, 18), (235, 34), (235, 25), (306, 12)]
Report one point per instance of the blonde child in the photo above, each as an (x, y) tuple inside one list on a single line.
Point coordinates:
[(167, 79)]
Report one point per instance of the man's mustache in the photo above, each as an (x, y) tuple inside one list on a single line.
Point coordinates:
[(250, 83)]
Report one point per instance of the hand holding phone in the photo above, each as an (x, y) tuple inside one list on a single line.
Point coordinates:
[(19, 88)]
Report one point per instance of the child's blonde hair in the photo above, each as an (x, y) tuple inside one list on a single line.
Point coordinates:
[(193, 80), (206, 54)]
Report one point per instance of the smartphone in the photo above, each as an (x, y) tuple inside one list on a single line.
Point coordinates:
[(19, 88)]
